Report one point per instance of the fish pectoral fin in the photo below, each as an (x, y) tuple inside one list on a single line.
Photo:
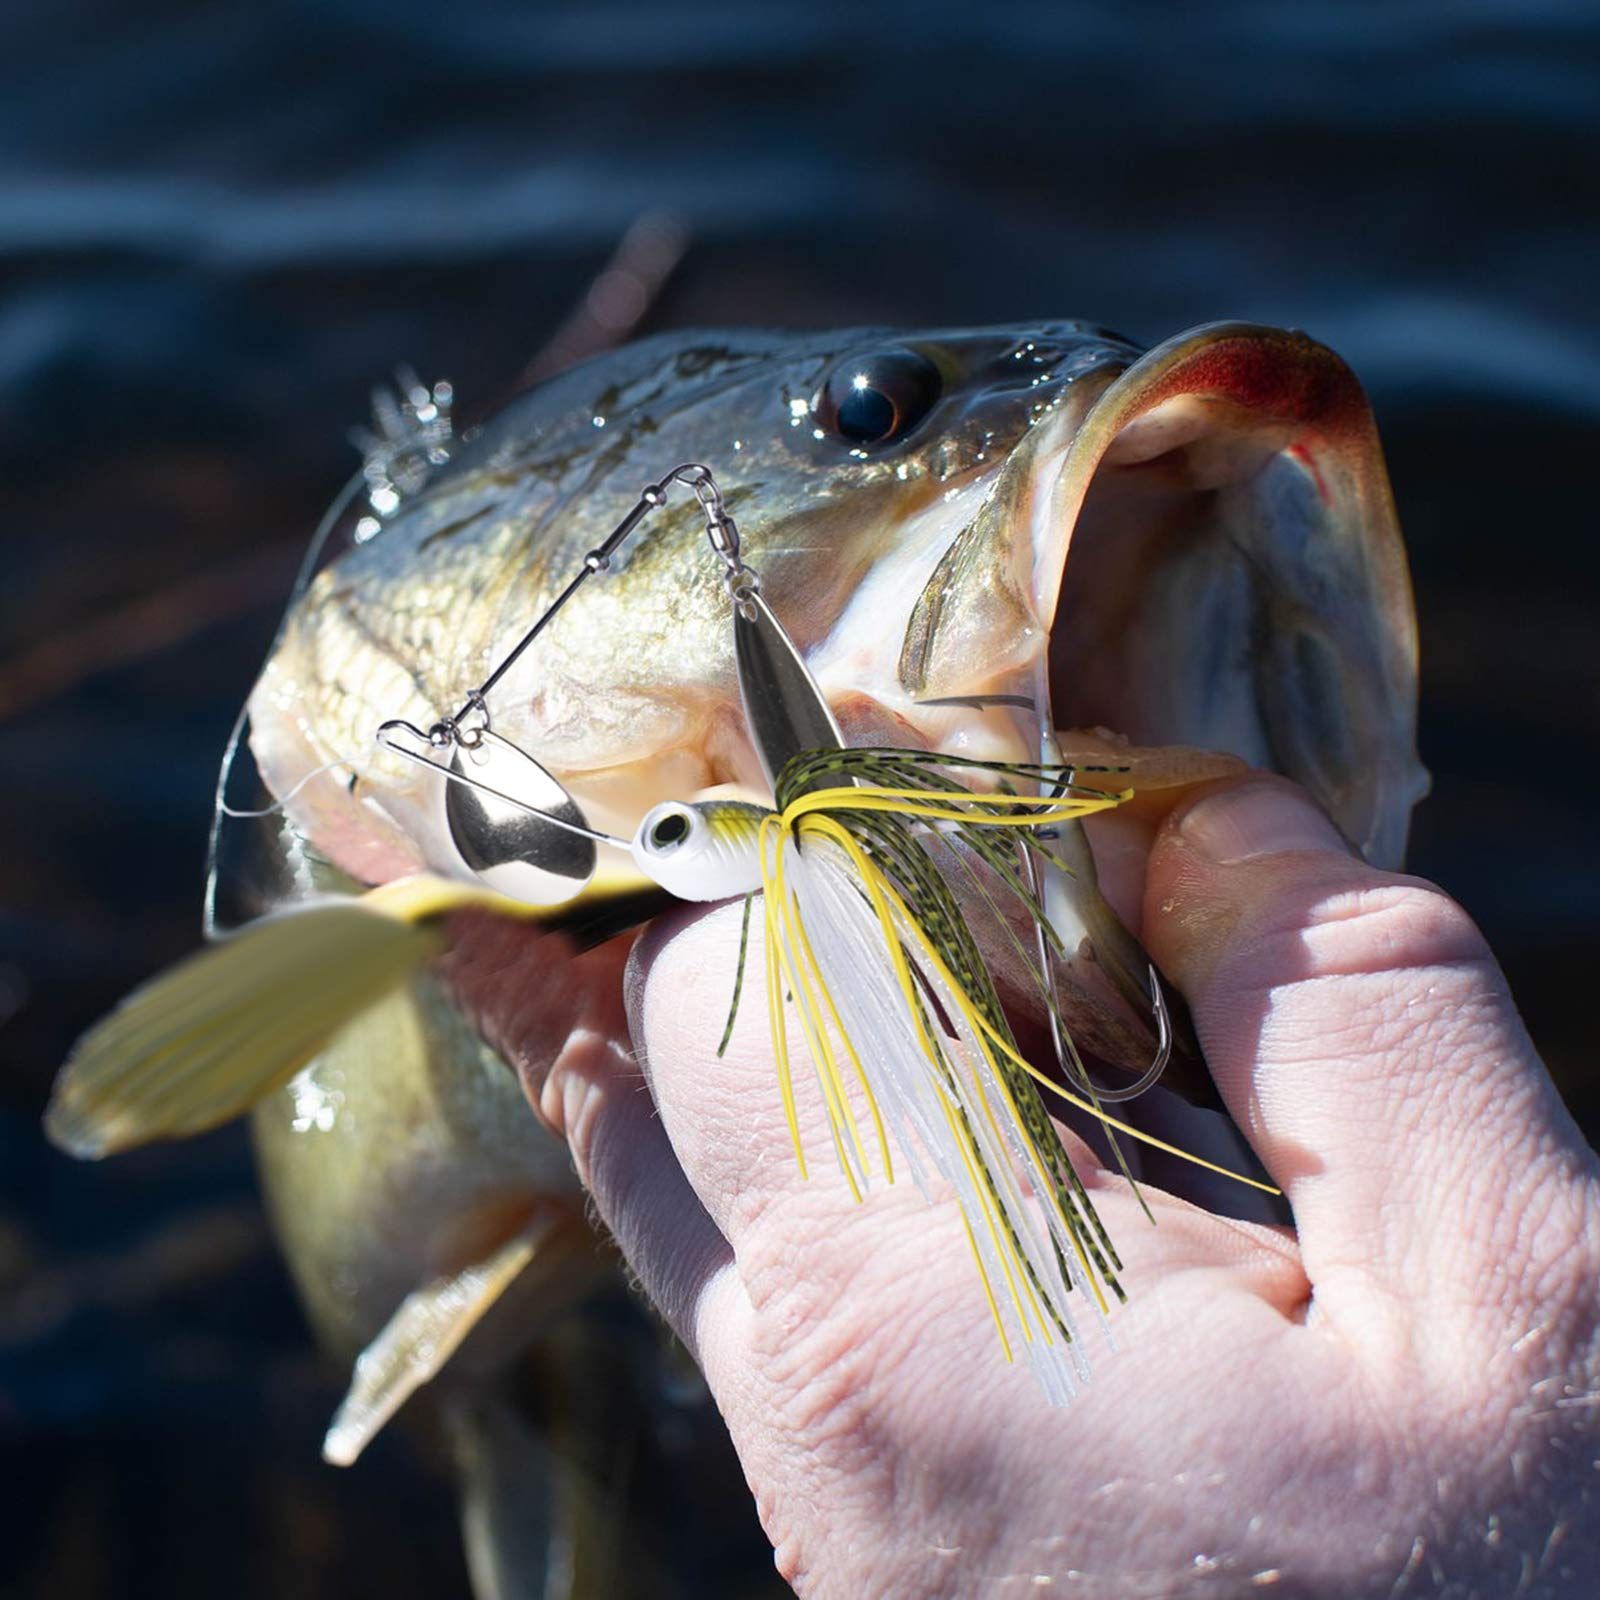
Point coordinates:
[(422, 1335), (205, 1040)]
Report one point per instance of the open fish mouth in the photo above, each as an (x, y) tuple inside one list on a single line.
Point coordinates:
[(1220, 566), (1196, 551)]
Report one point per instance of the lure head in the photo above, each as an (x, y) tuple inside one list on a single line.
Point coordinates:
[(709, 851)]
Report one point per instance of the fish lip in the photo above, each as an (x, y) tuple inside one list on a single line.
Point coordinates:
[(1051, 520)]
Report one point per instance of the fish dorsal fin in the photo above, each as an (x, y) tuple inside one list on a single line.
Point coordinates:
[(205, 1040), (422, 1335)]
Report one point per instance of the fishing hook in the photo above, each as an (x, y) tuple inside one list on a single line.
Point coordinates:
[(1067, 1057)]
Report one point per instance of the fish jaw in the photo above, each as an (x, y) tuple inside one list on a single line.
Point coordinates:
[(1217, 559)]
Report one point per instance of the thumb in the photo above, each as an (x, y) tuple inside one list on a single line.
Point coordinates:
[(1364, 1039)]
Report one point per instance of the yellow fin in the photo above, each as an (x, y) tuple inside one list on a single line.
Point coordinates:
[(421, 1337), (206, 1039)]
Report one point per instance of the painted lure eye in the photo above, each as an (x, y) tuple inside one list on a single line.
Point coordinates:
[(669, 831), (878, 398)]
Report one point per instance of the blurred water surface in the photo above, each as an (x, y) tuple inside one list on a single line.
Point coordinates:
[(220, 223)]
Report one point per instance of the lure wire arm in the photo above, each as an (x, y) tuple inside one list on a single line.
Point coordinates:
[(470, 725), (722, 534)]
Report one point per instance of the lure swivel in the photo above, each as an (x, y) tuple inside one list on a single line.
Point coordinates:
[(785, 709)]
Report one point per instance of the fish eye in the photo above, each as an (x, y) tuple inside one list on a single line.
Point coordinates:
[(670, 830), (878, 398)]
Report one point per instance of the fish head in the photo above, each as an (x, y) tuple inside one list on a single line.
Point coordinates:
[(981, 541)]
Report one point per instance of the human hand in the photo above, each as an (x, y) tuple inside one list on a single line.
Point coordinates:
[(1400, 1398)]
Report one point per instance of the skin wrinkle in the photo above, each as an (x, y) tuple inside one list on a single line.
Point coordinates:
[(1420, 1104)]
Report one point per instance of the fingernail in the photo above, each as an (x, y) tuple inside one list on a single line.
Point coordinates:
[(1257, 819)]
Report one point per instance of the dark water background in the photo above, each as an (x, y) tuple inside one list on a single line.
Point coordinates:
[(219, 223)]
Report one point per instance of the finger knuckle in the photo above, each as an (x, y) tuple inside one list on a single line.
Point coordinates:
[(1400, 925), (1395, 969)]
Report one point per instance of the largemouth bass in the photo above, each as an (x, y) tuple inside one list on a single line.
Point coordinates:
[(991, 543), (1012, 545), (1235, 581)]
